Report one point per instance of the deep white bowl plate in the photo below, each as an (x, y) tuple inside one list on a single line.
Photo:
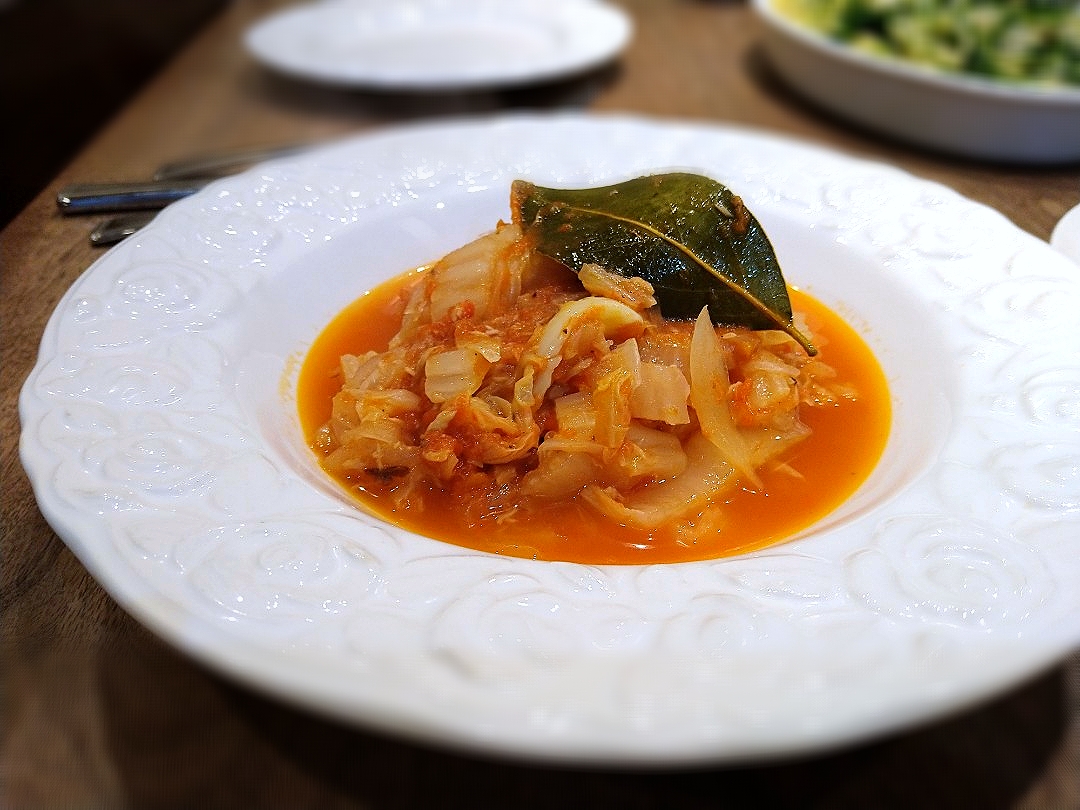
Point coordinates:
[(433, 45), (959, 114), (161, 437)]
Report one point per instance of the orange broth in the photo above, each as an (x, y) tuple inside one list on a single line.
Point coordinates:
[(847, 441)]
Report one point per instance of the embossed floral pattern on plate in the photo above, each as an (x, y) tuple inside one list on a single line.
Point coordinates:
[(159, 430)]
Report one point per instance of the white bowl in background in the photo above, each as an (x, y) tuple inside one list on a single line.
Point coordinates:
[(960, 114)]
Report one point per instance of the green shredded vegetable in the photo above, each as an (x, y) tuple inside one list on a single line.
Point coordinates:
[(1028, 41)]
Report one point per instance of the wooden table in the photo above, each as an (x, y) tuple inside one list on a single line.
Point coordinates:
[(100, 713)]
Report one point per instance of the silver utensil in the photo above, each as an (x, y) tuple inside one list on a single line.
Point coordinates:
[(207, 166), (92, 198), (118, 228), (172, 181)]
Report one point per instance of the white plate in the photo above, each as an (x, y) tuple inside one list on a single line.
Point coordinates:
[(439, 44), (160, 433), (1066, 234), (963, 115)]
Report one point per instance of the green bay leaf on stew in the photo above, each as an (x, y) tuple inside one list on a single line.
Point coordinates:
[(687, 235)]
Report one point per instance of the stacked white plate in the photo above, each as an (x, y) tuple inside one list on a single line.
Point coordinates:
[(432, 45)]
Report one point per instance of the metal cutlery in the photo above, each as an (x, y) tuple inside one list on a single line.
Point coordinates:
[(142, 199), (118, 228), (92, 198), (209, 166)]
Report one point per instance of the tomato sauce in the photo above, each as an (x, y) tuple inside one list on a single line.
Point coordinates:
[(847, 441)]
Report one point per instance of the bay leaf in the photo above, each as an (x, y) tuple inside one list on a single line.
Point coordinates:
[(687, 235)]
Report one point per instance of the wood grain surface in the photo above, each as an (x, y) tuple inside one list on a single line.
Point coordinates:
[(97, 712)]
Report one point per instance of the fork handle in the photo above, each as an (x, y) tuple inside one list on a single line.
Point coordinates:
[(88, 198)]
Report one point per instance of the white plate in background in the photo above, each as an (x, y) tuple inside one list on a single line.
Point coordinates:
[(161, 436), (430, 45), (1066, 234)]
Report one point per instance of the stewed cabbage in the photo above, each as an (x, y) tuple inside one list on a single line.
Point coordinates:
[(514, 382)]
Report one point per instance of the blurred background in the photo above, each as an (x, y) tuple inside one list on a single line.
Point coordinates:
[(112, 47)]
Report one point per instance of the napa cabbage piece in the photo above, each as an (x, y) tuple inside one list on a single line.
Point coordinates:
[(514, 382)]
